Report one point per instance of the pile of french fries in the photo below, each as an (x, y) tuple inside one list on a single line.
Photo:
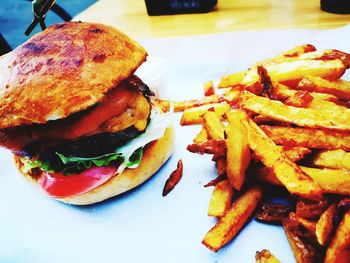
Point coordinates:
[(281, 129)]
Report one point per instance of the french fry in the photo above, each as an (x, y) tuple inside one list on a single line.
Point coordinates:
[(217, 147), (294, 65), (339, 248), (335, 159), (231, 96), (231, 80), (295, 52), (208, 88), (303, 248), (295, 153), (213, 125), (301, 99), (221, 199), (193, 115), (293, 71), (306, 137), (221, 164), (173, 179), (300, 116), (324, 55), (311, 209), (287, 172), (187, 104), (329, 180), (236, 78), (265, 256), (324, 225), (322, 105), (238, 152), (310, 225), (299, 102), (339, 88), (231, 223), (283, 92), (202, 136)]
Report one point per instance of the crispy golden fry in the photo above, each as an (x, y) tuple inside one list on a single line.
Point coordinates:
[(311, 209), (339, 248), (221, 199), (231, 96), (238, 152), (330, 180), (293, 71), (306, 137), (301, 99), (217, 147), (290, 174), (324, 55), (232, 222), (335, 159), (187, 104), (213, 125), (231, 80), (294, 65), (300, 116), (325, 105), (324, 225), (208, 88), (236, 78), (314, 100), (339, 88), (221, 164), (295, 52), (295, 153), (194, 115), (265, 256), (173, 179), (283, 92), (304, 250), (265, 175), (310, 225), (202, 136)]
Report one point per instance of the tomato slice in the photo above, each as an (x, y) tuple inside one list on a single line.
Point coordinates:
[(60, 185)]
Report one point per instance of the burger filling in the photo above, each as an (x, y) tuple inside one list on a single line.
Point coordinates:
[(112, 133)]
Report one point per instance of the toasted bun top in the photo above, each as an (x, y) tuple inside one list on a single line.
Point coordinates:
[(64, 69)]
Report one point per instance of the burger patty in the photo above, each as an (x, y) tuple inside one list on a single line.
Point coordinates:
[(92, 146)]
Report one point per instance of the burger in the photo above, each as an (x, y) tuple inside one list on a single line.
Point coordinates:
[(78, 121)]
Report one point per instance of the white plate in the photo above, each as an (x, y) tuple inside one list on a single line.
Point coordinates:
[(141, 225)]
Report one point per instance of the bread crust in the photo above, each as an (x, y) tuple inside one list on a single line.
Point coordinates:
[(64, 69), (156, 154)]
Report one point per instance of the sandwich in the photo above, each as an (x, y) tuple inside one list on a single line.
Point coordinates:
[(78, 121)]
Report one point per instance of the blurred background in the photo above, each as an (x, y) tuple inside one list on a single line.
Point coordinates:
[(139, 19), (16, 15)]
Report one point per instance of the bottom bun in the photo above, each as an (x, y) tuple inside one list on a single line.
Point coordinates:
[(155, 155)]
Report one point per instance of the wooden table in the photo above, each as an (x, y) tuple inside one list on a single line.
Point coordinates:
[(229, 15)]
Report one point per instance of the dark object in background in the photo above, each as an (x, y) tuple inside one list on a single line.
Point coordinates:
[(336, 6), (168, 7), (4, 46)]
